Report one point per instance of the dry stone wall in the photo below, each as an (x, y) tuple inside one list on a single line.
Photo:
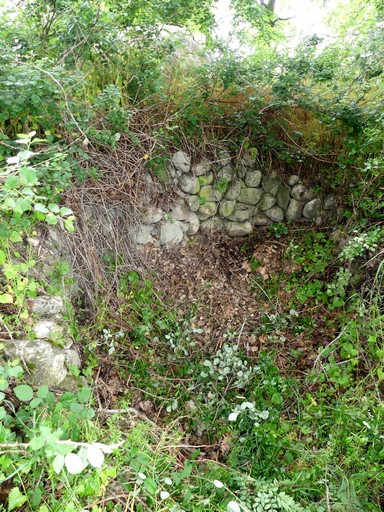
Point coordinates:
[(231, 198)]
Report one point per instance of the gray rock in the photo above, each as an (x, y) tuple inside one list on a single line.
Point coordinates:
[(206, 180), (312, 209), (224, 158), (226, 208), (294, 209), (270, 184), (267, 201), (253, 178), (201, 168), (189, 184), (210, 194), (49, 364), (275, 213), (193, 202), (180, 212), (241, 171), (301, 193), (212, 225), (46, 328), (238, 228), (153, 215), (249, 196), (226, 173), (247, 160), (171, 233), (242, 212), (233, 191), (181, 162), (142, 235), (283, 196), (207, 210), (293, 180), (261, 220), (329, 202), (193, 224), (46, 306)]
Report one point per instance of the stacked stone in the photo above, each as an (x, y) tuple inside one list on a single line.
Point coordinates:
[(217, 196)]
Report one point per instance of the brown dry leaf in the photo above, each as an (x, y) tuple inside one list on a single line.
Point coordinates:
[(246, 266), (264, 273)]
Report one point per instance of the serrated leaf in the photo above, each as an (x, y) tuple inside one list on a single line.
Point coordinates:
[(28, 176), (15, 499), (58, 463), (95, 456), (22, 204), (24, 392), (73, 463), (11, 183), (36, 443)]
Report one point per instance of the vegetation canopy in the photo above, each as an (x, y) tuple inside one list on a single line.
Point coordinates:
[(220, 374)]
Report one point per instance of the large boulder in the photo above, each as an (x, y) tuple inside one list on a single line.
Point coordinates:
[(47, 364)]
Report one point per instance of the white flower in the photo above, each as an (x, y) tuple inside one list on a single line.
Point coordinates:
[(141, 476), (218, 484), (164, 495)]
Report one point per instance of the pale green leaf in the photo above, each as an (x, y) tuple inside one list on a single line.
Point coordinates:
[(6, 298), (16, 499), (24, 392), (58, 463)]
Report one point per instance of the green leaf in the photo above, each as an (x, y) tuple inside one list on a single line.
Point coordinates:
[(150, 485), (58, 463), (68, 224), (15, 499), (51, 219), (54, 207), (40, 208), (2, 257), (28, 176), (65, 211), (3, 412), (11, 182), (6, 298), (35, 403), (3, 384), (15, 236), (22, 205), (24, 392), (43, 391), (84, 394), (36, 443)]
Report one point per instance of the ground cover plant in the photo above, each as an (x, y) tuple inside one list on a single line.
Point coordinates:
[(263, 390)]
